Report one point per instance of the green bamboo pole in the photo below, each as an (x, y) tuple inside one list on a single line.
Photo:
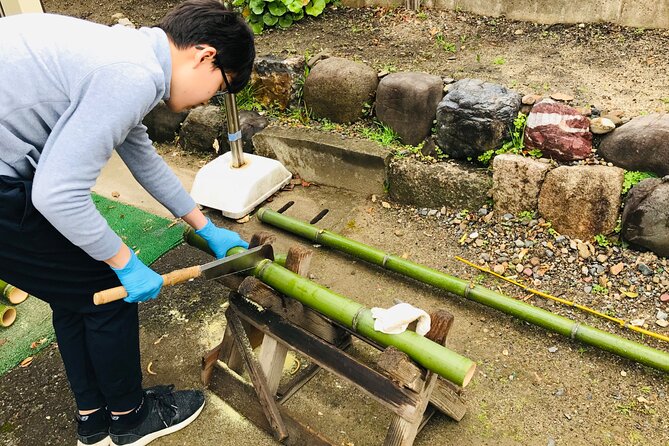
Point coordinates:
[(607, 341), (437, 358), (12, 294), (7, 315)]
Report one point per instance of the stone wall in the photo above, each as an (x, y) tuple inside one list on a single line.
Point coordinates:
[(636, 13)]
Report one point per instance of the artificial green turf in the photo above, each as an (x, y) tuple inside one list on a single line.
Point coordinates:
[(149, 235)]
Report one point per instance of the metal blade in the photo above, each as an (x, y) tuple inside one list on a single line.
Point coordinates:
[(238, 262)]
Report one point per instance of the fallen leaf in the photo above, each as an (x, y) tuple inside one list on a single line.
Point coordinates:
[(630, 294), (26, 362), (2, 341), (305, 183), (115, 194), (36, 344)]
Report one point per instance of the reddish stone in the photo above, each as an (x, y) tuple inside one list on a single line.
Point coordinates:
[(664, 297), (558, 131)]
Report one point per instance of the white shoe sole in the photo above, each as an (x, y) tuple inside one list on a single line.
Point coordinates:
[(104, 442), (169, 430)]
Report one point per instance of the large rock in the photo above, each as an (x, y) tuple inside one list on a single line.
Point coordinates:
[(407, 103), (338, 89), (277, 82), (449, 184), (475, 117), (325, 158), (558, 131), (646, 215), (162, 124), (250, 123), (582, 201), (202, 127), (516, 183), (642, 144)]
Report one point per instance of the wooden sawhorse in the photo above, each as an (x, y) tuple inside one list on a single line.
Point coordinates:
[(259, 316)]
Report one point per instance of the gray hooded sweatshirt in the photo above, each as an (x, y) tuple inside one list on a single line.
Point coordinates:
[(71, 92)]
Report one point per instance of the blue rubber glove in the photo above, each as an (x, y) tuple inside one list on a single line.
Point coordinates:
[(220, 240), (141, 282)]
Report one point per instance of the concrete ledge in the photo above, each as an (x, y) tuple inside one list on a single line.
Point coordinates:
[(449, 184), (324, 158)]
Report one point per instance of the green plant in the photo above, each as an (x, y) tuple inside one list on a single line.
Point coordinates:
[(602, 240), (282, 13), (380, 133), (633, 177), (515, 145), (446, 46), (597, 288), (526, 215), (499, 61), (421, 15), (246, 98)]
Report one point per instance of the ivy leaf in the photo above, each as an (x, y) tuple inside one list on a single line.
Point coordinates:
[(285, 21), (257, 6), (295, 6), (257, 27), (277, 9), (315, 7), (238, 2), (298, 15), (269, 19)]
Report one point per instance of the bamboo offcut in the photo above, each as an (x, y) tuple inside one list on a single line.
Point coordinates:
[(437, 358), (7, 315), (575, 330), (14, 295)]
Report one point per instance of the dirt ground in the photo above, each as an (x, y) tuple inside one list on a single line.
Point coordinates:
[(532, 388), (605, 65)]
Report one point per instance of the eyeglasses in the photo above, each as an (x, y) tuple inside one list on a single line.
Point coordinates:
[(225, 78), (227, 84)]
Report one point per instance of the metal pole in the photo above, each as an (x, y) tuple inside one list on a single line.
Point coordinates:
[(234, 133)]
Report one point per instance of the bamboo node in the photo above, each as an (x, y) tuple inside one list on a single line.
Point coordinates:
[(356, 319), (574, 330)]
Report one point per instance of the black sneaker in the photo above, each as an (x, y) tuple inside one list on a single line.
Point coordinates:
[(166, 411), (93, 429)]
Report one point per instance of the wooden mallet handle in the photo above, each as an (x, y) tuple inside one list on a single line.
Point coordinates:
[(172, 278)]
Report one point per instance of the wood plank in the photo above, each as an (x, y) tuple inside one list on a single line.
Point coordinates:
[(330, 357), (242, 397), (272, 358), (292, 310), (448, 401), (266, 398)]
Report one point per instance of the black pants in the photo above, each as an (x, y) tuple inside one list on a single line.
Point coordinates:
[(99, 344)]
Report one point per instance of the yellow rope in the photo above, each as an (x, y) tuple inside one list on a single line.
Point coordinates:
[(570, 303)]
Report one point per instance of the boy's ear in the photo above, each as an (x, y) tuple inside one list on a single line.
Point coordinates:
[(204, 53)]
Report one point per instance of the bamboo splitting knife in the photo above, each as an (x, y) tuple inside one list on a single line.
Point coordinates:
[(243, 261)]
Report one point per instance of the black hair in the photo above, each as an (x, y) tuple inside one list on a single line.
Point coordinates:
[(197, 22)]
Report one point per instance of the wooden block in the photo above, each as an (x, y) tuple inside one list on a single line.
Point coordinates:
[(261, 238), (400, 368), (441, 323), (298, 260)]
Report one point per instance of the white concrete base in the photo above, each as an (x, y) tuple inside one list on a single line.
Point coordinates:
[(236, 191)]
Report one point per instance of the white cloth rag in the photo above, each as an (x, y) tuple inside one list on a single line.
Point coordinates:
[(395, 320)]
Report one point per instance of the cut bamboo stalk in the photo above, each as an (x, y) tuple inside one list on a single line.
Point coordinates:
[(618, 345), (7, 315), (355, 316), (14, 295)]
